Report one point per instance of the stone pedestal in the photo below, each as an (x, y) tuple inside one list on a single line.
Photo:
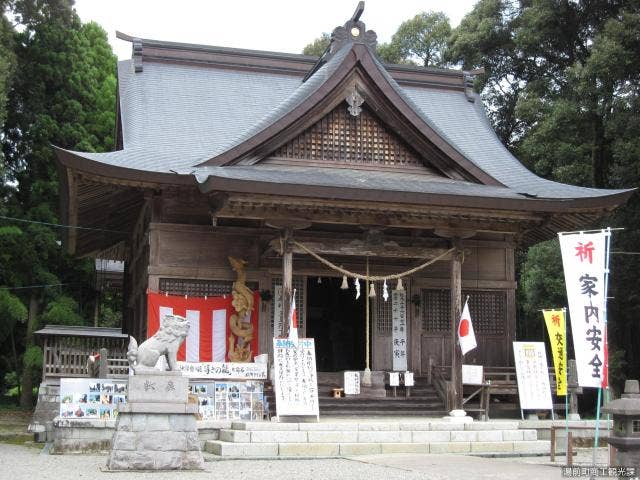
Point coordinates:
[(156, 429)]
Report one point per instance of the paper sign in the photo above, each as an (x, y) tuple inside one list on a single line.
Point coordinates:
[(532, 372), (296, 381), (472, 374), (352, 383), (230, 370), (394, 379), (408, 379)]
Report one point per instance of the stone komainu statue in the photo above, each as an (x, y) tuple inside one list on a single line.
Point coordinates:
[(165, 341)]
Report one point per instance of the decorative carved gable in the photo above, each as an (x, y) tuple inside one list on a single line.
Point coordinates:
[(341, 140)]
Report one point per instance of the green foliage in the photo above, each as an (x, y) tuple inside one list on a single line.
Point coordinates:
[(33, 358), (63, 94), (12, 311), (421, 40), (318, 46), (62, 311)]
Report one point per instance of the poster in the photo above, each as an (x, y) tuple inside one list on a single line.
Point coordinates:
[(532, 373), (555, 321), (584, 257), (352, 383), (472, 375), (229, 400), (91, 397), (219, 370), (399, 327), (296, 383)]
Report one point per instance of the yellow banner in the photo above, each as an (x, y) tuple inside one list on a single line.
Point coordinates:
[(555, 320)]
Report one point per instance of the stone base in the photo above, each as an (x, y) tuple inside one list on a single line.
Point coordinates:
[(155, 441)]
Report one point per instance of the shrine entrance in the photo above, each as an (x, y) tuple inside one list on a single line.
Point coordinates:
[(336, 320)]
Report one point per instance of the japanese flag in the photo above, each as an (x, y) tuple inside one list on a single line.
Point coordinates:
[(293, 319), (466, 336)]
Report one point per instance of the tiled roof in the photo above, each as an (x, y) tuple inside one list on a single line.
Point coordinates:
[(178, 115)]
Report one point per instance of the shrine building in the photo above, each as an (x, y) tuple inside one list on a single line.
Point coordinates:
[(310, 170)]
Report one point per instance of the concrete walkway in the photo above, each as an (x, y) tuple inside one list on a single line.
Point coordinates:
[(22, 463)]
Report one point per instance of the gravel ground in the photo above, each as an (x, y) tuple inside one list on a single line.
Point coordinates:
[(22, 463)]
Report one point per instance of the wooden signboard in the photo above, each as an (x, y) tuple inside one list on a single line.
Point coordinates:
[(399, 324), (532, 372), (296, 383)]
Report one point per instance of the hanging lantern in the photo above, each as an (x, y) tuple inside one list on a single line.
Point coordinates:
[(399, 286), (319, 280), (356, 283), (385, 292), (372, 290), (345, 284)]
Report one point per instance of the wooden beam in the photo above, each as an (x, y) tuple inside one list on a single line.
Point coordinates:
[(359, 248), (456, 311), (287, 281)]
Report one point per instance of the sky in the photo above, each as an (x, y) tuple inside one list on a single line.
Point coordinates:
[(273, 25)]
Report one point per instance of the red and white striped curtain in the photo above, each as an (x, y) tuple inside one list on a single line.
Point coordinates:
[(209, 323)]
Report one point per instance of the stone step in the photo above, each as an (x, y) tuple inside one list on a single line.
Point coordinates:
[(333, 449), (432, 424), (374, 436)]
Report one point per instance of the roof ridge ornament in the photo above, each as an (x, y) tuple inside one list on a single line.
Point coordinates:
[(136, 54), (353, 31)]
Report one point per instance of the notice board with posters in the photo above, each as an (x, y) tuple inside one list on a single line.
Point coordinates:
[(296, 381), (532, 372), (92, 397)]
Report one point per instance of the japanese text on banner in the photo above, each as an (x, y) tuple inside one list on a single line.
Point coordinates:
[(555, 321), (583, 257)]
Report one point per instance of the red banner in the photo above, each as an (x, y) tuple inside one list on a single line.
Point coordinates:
[(209, 324)]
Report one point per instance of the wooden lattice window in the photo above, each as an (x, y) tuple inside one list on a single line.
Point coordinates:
[(382, 310), (488, 311), (298, 284), (436, 307), (199, 288), (340, 138)]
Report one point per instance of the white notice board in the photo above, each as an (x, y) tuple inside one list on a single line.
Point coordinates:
[(472, 375), (296, 381), (532, 371)]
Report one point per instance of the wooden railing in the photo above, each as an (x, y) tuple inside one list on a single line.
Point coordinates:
[(500, 380), (68, 356)]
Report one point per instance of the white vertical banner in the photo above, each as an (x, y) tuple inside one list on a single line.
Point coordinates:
[(584, 259), (278, 331), (192, 348), (399, 330)]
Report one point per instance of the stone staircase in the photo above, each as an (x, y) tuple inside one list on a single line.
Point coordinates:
[(422, 400), (336, 438)]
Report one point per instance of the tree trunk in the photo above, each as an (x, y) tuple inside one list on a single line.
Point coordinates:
[(26, 394)]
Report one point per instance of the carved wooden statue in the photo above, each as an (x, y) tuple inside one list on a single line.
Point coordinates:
[(241, 332), (165, 342)]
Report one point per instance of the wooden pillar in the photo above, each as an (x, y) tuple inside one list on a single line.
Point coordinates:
[(287, 280), (456, 311)]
